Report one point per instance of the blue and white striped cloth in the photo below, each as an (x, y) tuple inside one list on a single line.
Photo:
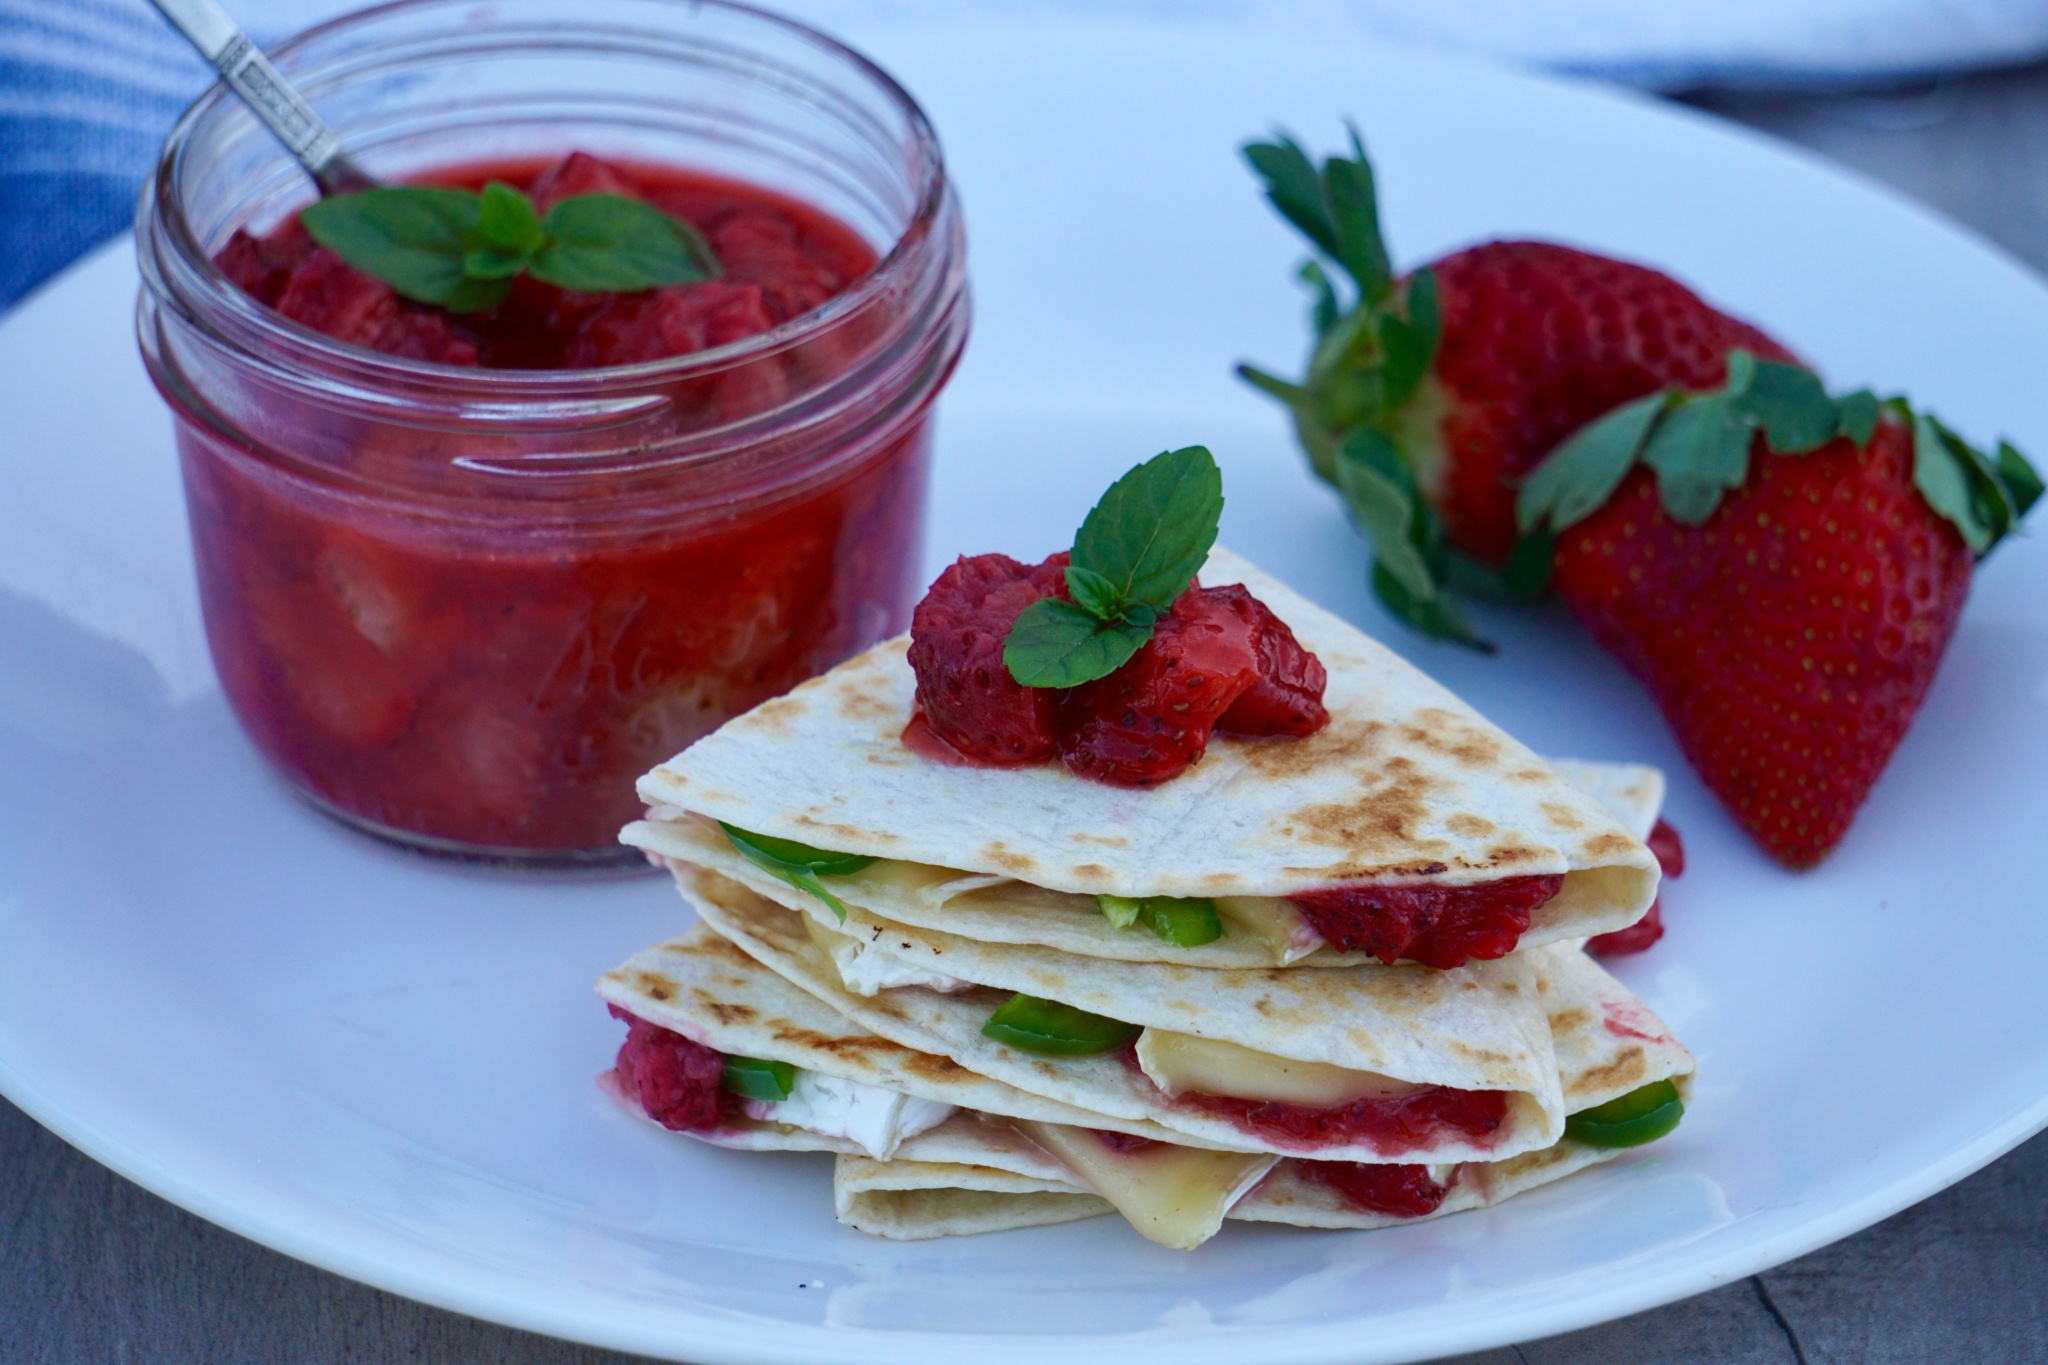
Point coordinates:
[(88, 88)]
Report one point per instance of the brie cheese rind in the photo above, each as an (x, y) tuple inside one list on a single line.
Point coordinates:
[(1406, 784), (1479, 1027)]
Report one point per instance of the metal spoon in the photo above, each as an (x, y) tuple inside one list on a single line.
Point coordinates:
[(283, 110)]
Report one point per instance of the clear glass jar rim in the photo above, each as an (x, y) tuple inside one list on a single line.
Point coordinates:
[(220, 297)]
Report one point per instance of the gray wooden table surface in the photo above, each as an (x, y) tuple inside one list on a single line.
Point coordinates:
[(94, 1269)]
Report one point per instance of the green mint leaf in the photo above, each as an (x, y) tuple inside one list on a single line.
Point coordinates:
[(1354, 211), (1437, 617), (1327, 310), (1856, 416), (1943, 481), (1295, 189), (506, 222), (1057, 644), (414, 238), (1699, 451), (1790, 404), (489, 263), (798, 864), (1153, 528), (1581, 474), (1093, 593), (606, 242), (2022, 482)]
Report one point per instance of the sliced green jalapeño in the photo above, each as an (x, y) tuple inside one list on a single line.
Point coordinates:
[(759, 1080), (798, 864), (1642, 1115), (1183, 921), (1057, 1030)]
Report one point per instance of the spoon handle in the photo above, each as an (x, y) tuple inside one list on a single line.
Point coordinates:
[(244, 67)]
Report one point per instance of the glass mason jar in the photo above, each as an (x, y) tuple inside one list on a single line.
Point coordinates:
[(463, 609)]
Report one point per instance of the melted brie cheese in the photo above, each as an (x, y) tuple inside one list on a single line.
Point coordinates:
[(1180, 1062), (1174, 1195), (868, 973), (871, 1117), (1274, 922)]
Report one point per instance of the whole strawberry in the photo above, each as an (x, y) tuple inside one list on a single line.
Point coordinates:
[(1782, 570), (1430, 397)]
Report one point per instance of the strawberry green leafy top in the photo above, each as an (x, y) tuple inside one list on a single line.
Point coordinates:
[(1356, 415)]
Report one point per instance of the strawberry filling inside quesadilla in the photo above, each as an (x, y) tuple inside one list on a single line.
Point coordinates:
[(1406, 1190), (1438, 926)]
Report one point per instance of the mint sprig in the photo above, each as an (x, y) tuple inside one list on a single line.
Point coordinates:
[(462, 250), (1699, 447), (1136, 552)]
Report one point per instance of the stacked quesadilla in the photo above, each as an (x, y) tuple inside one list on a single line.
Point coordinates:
[(1332, 980)]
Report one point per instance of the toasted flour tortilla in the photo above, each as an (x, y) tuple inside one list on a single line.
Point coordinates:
[(703, 987), (1407, 784), (977, 1178), (994, 909), (1477, 1027)]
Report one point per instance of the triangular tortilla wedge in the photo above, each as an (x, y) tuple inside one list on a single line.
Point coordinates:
[(703, 987), (1474, 1028), (1406, 784), (993, 909), (974, 1178)]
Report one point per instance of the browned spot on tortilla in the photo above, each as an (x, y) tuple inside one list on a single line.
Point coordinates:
[(1471, 826), (842, 832), (1480, 1054), (1343, 743), (1511, 855), (654, 985), (1609, 845), (862, 701), (1263, 1006), (775, 716), (1563, 816), (1627, 1071), (1453, 736), (1091, 871), (726, 1012), (1000, 855), (865, 1045), (931, 1066), (1530, 775), (1566, 1020), (1106, 840), (1381, 823)]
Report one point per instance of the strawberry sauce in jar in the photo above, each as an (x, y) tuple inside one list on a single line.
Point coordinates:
[(467, 575)]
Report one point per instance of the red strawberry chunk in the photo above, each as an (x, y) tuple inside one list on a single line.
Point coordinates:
[(1392, 1125), (1288, 697), (582, 173), (1149, 721), (1438, 926), (260, 266), (331, 296), (627, 329), (680, 1083), (964, 688), (1663, 842), (1395, 1190)]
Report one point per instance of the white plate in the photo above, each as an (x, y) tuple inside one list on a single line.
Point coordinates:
[(384, 1066)]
